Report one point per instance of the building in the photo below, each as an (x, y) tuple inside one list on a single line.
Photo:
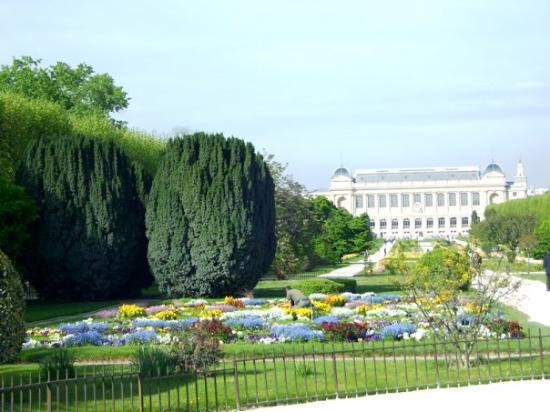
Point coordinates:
[(423, 202)]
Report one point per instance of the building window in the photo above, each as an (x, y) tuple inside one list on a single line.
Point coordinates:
[(370, 201), (394, 224), (464, 199), (453, 222), (452, 199), (429, 199), (515, 194), (429, 223), (383, 224), (441, 222), (465, 222), (475, 198), (372, 224), (381, 200), (393, 200), (440, 199), (417, 198), (359, 201), (418, 223), (405, 200), (406, 224)]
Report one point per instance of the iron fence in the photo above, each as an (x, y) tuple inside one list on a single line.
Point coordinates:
[(325, 371)]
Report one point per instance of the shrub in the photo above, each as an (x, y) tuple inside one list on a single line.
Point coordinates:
[(326, 286), (12, 307), (59, 363), (130, 311), (210, 217), (196, 350), (216, 329), (350, 285), (153, 361), (89, 241)]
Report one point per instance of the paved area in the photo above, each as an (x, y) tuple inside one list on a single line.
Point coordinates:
[(356, 268), (533, 299), (501, 397)]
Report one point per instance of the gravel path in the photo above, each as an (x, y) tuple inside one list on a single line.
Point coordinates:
[(533, 299), (501, 397), (356, 268)]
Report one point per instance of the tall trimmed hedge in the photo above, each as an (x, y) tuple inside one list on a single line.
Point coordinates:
[(89, 241), (210, 217), (12, 307)]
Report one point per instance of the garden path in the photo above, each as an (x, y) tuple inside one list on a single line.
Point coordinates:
[(354, 269), (502, 397)]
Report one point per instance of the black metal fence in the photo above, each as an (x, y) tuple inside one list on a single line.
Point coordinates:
[(325, 371)]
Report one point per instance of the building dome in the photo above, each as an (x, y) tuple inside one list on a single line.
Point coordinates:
[(493, 167), (341, 172)]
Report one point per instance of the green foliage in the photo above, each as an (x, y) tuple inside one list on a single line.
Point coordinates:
[(319, 285), (58, 364), (340, 232), (89, 241), (350, 285), (23, 120), (542, 234), (17, 212), (153, 361), (12, 308), (210, 217), (295, 225), (196, 350), (78, 90)]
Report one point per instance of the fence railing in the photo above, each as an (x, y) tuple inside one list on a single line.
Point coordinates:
[(326, 371)]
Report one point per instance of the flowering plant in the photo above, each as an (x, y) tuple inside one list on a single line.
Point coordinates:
[(335, 300), (130, 311), (169, 314), (321, 306), (296, 332), (230, 300), (345, 331)]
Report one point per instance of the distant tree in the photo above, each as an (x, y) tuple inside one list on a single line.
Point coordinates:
[(78, 89), (527, 243), (295, 225), (89, 241), (474, 218), (542, 234), (210, 217), (17, 212), (12, 308)]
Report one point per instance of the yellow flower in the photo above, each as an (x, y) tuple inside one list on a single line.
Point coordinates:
[(363, 309), (130, 311), (300, 312), (214, 313), (335, 300), (169, 314), (320, 306)]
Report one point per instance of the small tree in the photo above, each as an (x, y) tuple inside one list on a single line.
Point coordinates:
[(436, 285), (527, 243)]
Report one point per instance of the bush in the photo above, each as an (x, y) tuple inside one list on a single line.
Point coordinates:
[(196, 350), (89, 241), (325, 286), (60, 363), (153, 361), (210, 217), (12, 307), (350, 285)]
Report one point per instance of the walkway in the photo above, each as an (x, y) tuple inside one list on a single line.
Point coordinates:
[(355, 268), (533, 300), (502, 397)]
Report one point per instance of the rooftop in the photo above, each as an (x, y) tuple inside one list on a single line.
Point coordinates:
[(418, 174)]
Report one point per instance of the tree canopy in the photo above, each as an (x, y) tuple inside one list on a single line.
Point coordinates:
[(77, 89)]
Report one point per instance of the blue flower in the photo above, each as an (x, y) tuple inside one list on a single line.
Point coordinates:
[(141, 336), (85, 338), (254, 302), (81, 327), (396, 330), (296, 332), (383, 298), (167, 324), (326, 319), (246, 322)]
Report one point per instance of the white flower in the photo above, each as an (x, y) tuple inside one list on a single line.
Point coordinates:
[(317, 296), (342, 312)]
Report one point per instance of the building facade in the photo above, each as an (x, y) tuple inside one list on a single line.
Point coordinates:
[(423, 202)]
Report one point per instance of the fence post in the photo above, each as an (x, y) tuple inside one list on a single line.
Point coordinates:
[(140, 391), (335, 370), (237, 389), (541, 351), (49, 394)]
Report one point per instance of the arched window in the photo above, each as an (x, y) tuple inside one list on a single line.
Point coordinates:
[(341, 202), (441, 222), (383, 224), (394, 224), (453, 222), (465, 222), (406, 224)]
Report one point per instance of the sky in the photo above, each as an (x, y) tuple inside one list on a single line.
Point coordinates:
[(319, 84)]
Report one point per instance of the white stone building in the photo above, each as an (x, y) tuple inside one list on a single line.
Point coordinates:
[(423, 202)]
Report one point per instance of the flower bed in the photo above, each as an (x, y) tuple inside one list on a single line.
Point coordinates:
[(343, 317)]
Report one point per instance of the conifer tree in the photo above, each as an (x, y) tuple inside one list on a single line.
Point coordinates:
[(210, 217)]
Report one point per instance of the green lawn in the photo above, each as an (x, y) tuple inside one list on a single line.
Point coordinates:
[(502, 264), (539, 277), (38, 310)]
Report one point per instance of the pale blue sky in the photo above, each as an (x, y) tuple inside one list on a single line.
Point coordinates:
[(375, 83)]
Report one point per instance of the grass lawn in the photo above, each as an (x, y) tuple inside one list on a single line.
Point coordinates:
[(502, 264), (539, 277), (38, 310)]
